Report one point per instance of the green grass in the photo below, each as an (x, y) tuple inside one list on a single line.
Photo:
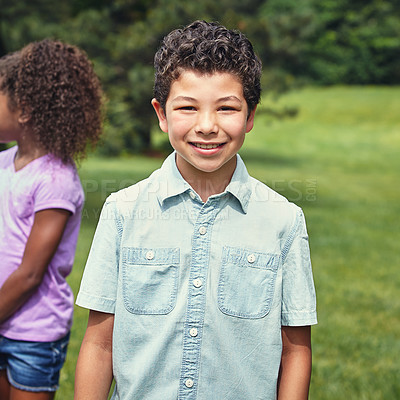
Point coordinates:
[(345, 141), (338, 159)]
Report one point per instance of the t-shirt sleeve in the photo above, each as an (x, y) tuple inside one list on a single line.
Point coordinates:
[(99, 282), (61, 188), (298, 291)]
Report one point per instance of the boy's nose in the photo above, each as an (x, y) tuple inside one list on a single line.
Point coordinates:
[(206, 124)]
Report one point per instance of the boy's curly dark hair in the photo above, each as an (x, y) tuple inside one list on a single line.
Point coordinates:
[(207, 47), (55, 87)]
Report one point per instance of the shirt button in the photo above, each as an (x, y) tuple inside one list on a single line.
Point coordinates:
[(251, 258), (197, 282), (150, 255), (189, 383), (202, 230), (192, 195), (193, 332)]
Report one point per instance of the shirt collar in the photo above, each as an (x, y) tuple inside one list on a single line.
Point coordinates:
[(171, 182), (239, 186)]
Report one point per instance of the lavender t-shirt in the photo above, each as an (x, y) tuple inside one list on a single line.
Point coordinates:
[(42, 184)]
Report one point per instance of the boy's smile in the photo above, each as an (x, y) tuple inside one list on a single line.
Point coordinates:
[(206, 118)]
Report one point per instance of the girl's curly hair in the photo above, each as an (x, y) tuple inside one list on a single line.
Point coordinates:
[(56, 89), (207, 47)]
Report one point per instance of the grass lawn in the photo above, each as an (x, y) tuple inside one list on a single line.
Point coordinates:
[(339, 160)]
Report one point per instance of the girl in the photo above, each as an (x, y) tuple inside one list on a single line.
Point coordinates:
[(51, 105)]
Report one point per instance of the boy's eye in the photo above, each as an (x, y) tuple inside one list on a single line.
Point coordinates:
[(227, 108), (187, 108)]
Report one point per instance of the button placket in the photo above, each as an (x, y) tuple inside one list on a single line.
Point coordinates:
[(196, 303)]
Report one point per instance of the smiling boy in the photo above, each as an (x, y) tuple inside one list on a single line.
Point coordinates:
[(206, 117), (211, 297)]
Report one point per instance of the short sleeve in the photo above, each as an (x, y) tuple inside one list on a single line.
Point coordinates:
[(60, 188), (100, 278), (298, 291)]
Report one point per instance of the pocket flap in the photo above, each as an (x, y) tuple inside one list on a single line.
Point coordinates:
[(248, 258), (150, 256)]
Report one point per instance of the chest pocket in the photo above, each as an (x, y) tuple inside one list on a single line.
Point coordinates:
[(247, 282), (150, 279)]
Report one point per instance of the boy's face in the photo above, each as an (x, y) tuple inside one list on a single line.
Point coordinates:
[(206, 118)]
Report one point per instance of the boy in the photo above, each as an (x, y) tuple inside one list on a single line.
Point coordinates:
[(199, 279)]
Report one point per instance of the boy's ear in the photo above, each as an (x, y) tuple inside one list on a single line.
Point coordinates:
[(250, 120), (162, 119)]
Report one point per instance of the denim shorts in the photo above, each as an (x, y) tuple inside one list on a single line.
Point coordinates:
[(33, 366)]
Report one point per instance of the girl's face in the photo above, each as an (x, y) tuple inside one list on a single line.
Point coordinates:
[(10, 128)]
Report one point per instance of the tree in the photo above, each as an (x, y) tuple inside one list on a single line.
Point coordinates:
[(320, 41), (122, 38), (330, 42)]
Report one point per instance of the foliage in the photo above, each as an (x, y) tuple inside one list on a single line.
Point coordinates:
[(121, 37), (332, 42), (321, 41)]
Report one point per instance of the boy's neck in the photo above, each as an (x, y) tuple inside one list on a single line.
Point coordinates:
[(207, 184), (207, 187)]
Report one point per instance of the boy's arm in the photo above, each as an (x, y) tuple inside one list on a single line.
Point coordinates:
[(93, 375), (46, 233), (295, 370)]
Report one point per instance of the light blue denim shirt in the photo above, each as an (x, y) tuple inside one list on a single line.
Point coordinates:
[(199, 290)]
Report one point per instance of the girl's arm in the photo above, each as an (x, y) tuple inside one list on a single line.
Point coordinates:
[(295, 370), (93, 375), (46, 233)]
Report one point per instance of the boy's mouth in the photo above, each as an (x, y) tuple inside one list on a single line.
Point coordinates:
[(206, 146)]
